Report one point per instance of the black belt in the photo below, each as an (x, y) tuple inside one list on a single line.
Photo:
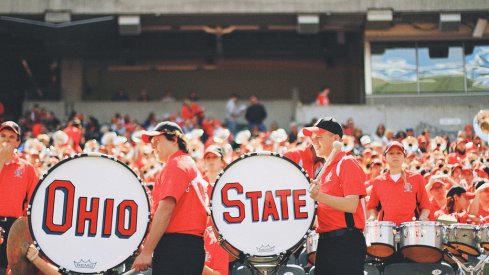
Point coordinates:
[(7, 219), (337, 233)]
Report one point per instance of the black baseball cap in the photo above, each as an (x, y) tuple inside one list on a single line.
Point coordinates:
[(322, 125), (458, 190), (12, 126), (162, 128)]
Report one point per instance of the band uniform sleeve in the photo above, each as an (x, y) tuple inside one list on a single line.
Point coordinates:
[(174, 183), (373, 201), (424, 201), (352, 178)]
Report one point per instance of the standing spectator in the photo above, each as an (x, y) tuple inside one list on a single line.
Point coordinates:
[(75, 134), (349, 127), (322, 98), (233, 112), (144, 96), (120, 95), (190, 110), (293, 132), (255, 115), (379, 134), (167, 97), (17, 182)]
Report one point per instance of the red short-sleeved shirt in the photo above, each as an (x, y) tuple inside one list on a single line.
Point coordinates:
[(398, 199), (304, 158), (350, 181), (189, 215), (18, 179), (215, 256)]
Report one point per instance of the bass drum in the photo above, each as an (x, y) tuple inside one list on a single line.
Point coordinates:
[(89, 213), (261, 207)]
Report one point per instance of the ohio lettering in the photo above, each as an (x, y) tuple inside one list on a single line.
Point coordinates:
[(89, 211)]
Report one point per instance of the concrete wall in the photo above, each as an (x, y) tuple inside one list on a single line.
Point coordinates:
[(232, 6), (440, 118)]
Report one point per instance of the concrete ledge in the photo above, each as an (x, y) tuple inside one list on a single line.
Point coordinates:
[(233, 6)]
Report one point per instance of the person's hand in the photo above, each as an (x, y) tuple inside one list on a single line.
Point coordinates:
[(423, 218), (142, 262), (32, 253), (6, 151), (314, 189), (371, 219)]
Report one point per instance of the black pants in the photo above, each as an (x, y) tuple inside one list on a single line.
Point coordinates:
[(6, 224), (179, 254), (342, 254)]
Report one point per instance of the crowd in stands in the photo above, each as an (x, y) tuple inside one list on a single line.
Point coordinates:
[(443, 163)]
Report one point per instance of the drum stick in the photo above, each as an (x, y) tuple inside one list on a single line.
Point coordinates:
[(132, 271), (336, 148)]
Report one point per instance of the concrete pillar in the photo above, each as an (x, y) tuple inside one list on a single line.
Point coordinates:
[(71, 79)]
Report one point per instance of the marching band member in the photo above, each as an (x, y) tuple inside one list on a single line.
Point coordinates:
[(216, 258), (341, 215), (400, 195), (307, 159), (179, 211), (18, 179)]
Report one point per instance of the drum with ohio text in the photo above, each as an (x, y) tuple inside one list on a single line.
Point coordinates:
[(261, 206), (89, 213)]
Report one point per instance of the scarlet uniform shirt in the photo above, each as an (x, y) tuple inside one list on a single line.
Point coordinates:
[(216, 257), (349, 181), (304, 158), (398, 199), (189, 215), (18, 179)]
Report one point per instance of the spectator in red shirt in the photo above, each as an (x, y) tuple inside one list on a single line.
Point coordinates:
[(322, 98), (75, 134)]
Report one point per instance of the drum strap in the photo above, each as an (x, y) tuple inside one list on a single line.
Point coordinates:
[(350, 222), (197, 183)]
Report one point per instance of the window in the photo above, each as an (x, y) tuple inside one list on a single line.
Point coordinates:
[(440, 68), (394, 68), (429, 67), (477, 67)]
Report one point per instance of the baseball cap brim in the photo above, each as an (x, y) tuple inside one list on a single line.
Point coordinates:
[(469, 195), (147, 135), (9, 128), (309, 131), (395, 145)]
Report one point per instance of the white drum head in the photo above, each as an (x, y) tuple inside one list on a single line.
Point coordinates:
[(261, 204), (99, 238)]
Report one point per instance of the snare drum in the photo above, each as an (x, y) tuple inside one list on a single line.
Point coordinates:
[(463, 237), (261, 207), (311, 246), (381, 235), (89, 213), (484, 235), (422, 241)]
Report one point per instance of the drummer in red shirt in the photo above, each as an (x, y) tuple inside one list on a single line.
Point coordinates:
[(307, 159), (341, 215), (174, 244), (400, 195), (18, 180)]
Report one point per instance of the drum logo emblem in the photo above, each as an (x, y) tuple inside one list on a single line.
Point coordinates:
[(265, 248), (408, 187), (85, 264), (18, 173)]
